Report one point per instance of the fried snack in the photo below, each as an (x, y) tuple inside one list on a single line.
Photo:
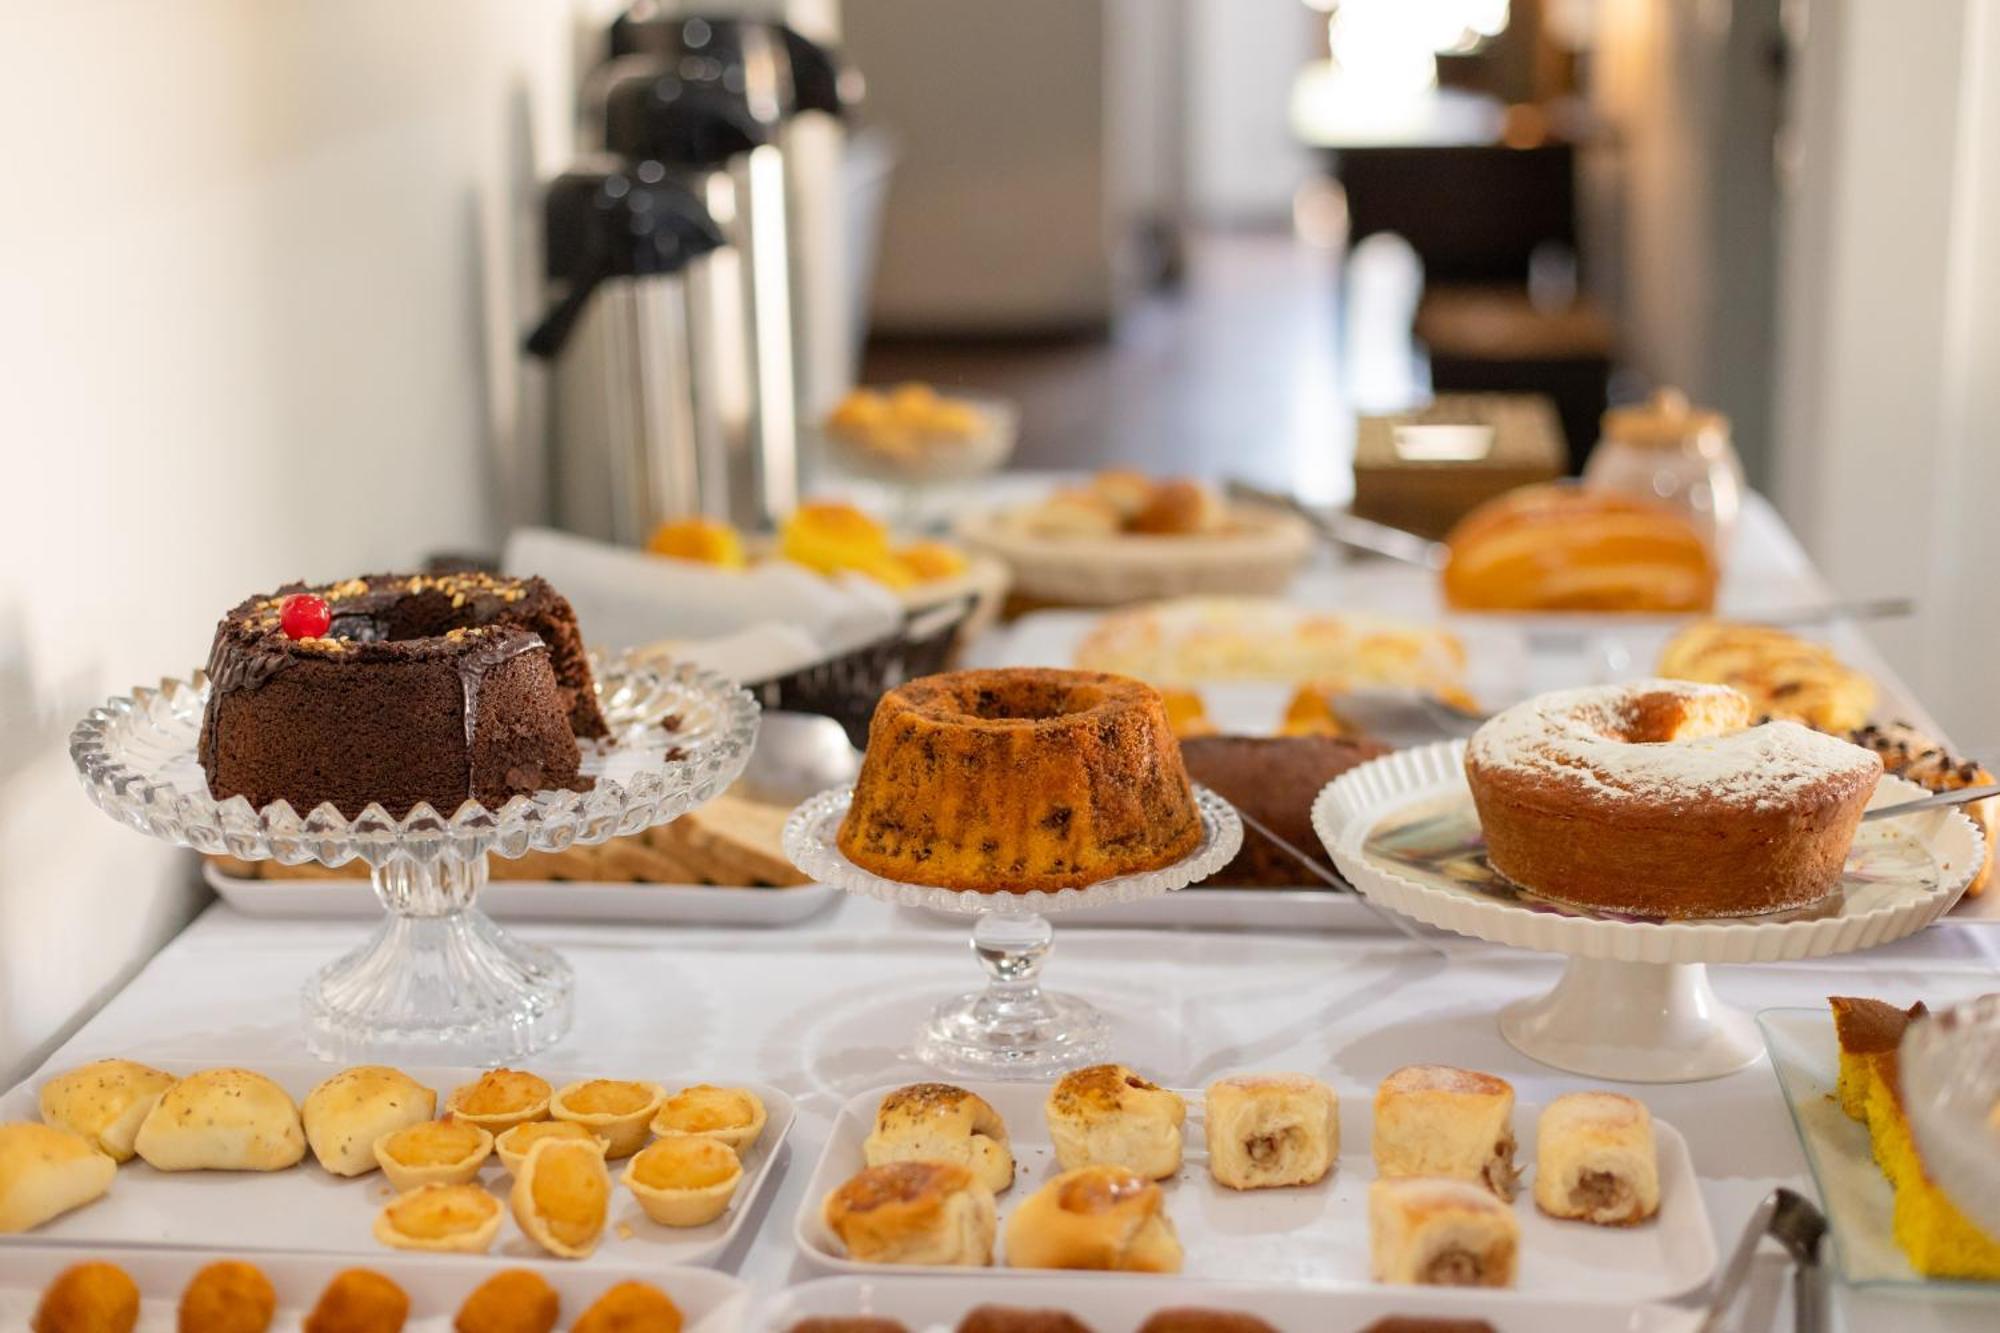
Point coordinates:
[(45, 1172), (513, 1301), (914, 1213), (104, 1101), (359, 1300), (684, 1180), (432, 1152), (1014, 1319), (630, 1307), (448, 1219), (936, 1122), (1784, 676), (562, 1197), (1106, 1115), (1095, 1217), (500, 1099), (616, 1110), (89, 1298), (1195, 1320), (733, 1117), (222, 1120), (228, 1296), (346, 1114)]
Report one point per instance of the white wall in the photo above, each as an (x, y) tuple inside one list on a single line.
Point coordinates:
[(1244, 162), (262, 264)]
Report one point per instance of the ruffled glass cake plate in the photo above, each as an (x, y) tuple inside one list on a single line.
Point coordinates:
[(437, 978), (1013, 1029), (1634, 1002)]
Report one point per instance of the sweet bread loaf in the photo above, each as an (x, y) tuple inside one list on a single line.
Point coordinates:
[(1569, 548)]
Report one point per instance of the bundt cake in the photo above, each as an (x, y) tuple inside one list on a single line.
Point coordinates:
[(1018, 780), (398, 689), (1659, 799)]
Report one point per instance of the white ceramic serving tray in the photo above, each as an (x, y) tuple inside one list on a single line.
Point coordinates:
[(1114, 1305), (1805, 1055), (437, 1285), (1318, 1233), (306, 1209), (537, 900)]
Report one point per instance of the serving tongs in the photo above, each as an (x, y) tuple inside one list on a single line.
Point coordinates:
[(1794, 1223), (1348, 530)]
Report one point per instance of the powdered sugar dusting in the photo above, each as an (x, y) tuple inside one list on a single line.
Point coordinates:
[(1575, 738)]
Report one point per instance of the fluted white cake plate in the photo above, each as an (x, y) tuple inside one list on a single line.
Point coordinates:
[(1013, 1029), (438, 980), (1634, 1002)]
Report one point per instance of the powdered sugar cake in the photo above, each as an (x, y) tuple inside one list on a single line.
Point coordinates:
[(1659, 799)]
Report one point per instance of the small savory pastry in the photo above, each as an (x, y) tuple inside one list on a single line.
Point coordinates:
[(562, 1196), (1595, 1160), (1407, 1323), (936, 1122), (1014, 1319), (1455, 1124), (500, 1099), (733, 1117), (222, 1120), (512, 1301), (345, 1115), (1187, 1319), (228, 1296), (452, 1219), (432, 1152), (616, 1110), (359, 1300), (630, 1307), (89, 1298), (515, 1144), (1444, 1233), (1107, 1115), (105, 1101), (915, 1213), (1097, 1217), (45, 1172), (849, 1323), (1270, 1130), (684, 1180)]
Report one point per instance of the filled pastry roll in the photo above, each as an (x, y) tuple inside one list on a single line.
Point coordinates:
[(1107, 1115), (1271, 1130), (1595, 1160), (1434, 1120), (915, 1213), (222, 1120), (1448, 1233), (105, 1101), (344, 1115), (936, 1122), (1095, 1217)]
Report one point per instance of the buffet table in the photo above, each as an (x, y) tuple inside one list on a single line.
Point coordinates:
[(820, 1009)]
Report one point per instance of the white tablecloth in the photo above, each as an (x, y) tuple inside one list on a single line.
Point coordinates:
[(825, 1009)]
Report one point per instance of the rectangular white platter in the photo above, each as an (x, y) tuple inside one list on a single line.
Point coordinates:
[(1805, 1055), (1318, 1233), (305, 1209), (1115, 1305), (437, 1285), (538, 900)]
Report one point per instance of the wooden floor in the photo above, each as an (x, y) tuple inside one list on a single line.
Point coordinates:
[(1238, 372)]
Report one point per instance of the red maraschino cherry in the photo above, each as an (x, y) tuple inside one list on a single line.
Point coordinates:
[(305, 616)]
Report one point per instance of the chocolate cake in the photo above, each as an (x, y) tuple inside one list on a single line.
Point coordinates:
[(398, 689), (1273, 780)]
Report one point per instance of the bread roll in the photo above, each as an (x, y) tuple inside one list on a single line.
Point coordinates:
[(45, 1172), (1106, 1115), (1458, 1124), (915, 1213), (1095, 1217), (1270, 1130), (223, 1120), (105, 1101), (1440, 1233), (1595, 1160), (936, 1122)]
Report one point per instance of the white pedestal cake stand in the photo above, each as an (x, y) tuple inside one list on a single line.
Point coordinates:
[(1634, 1003), (437, 979), (1013, 1029)]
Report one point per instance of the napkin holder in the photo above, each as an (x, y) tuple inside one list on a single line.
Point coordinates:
[(1424, 470)]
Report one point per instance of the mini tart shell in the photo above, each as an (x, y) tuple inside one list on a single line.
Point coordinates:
[(521, 1201), (738, 1139), (692, 1207), (404, 1176), (512, 1157), (496, 1122), (624, 1132), (476, 1241)]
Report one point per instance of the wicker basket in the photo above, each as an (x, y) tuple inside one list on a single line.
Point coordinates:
[(845, 688)]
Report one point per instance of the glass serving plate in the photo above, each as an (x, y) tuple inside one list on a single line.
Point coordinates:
[(1013, 1029), (437, 978)]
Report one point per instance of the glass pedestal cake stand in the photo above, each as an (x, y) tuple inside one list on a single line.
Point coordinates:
[(437, 978), (1013, 1029), (1634, 1002)]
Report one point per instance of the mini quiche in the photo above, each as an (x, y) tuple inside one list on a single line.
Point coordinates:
[(562, 1197), (432, 1152), (105, 1101), (222, 1120), (733, 1117), (456, 1219), (500, 1099), (346, 1114), (616, 1110), (45, 1172), (684, 1180), (514, 1146)]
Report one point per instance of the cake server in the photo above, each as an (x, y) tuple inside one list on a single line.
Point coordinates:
[(1347, 529), (1938, 801)]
